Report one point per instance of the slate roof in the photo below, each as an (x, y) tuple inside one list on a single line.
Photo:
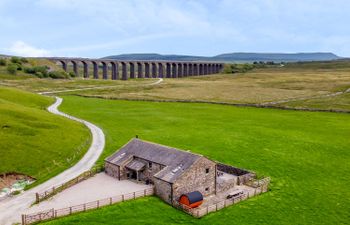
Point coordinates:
[(136, 165), (174, 160)]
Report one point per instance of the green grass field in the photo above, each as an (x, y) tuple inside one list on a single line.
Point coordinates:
[(305, 153), (34, 141), (262, 85), (259, 86)]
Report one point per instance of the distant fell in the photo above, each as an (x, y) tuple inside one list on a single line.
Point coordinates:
[(233, 57)]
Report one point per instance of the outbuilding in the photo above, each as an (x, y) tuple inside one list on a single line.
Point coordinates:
[(192, 199)]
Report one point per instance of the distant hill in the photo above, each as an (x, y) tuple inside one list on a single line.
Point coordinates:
[(233, 57)]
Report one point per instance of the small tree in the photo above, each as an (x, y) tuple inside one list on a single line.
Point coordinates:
[(12, 68)]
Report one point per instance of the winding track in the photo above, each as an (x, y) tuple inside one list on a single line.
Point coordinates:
[(11, 209)]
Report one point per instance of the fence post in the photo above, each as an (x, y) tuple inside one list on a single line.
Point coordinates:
[(122, 198), (37, 197), (197, 213), (110, 200), (70, 210), (84, 207), (23, 219), (98, 203), (134, 195), (145, 191)]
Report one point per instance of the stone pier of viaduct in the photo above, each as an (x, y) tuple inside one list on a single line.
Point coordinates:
[(123, 70)]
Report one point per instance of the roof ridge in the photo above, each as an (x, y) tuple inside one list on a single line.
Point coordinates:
[(166, 146)]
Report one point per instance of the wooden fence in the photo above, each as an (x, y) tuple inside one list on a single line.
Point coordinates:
[(202, 211), (52, 213), (54, 190)]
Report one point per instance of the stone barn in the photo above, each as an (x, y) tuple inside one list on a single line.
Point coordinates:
[(173, 172)]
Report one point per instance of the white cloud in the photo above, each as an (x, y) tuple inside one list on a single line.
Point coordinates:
[(20, 48), (140, 17)]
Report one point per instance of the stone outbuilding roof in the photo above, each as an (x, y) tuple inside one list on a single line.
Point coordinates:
[(136, 165), (175, 161)]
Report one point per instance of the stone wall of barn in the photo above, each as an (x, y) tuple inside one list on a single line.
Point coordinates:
[(111, 170), (223, 185), (123, 172), (196, 178), (163, 190)]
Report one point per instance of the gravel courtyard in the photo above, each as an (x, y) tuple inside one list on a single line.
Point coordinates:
[(98, 187)]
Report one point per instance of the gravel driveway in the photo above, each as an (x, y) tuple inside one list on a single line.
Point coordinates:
[(100, 186)]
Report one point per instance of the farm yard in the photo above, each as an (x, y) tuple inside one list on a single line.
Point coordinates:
[(304, 153)]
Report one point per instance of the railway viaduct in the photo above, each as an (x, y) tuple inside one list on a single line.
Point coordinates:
[(123, 70)]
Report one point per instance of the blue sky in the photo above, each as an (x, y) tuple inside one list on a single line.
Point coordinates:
[(97, 28)]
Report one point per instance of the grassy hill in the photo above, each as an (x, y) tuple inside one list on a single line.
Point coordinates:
[(34, 141), (233, 57), (305, 153)]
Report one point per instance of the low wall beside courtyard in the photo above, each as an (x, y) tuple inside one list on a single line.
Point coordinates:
[(242, 175)]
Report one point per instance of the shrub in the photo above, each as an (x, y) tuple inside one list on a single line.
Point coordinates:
[(71, 74), (16, 60), (3, 62), (16, 192), (12, 68), (24, 60), (227, 68), (238, 68), (19, 66), (58, 75), (246, 67), (39, 74), (41, 70), (29, 70)]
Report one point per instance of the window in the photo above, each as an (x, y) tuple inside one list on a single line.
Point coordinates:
[(150, 165), (207, 170), (207, 189)]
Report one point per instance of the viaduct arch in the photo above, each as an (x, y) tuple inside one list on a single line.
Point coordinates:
[(110, 69)]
